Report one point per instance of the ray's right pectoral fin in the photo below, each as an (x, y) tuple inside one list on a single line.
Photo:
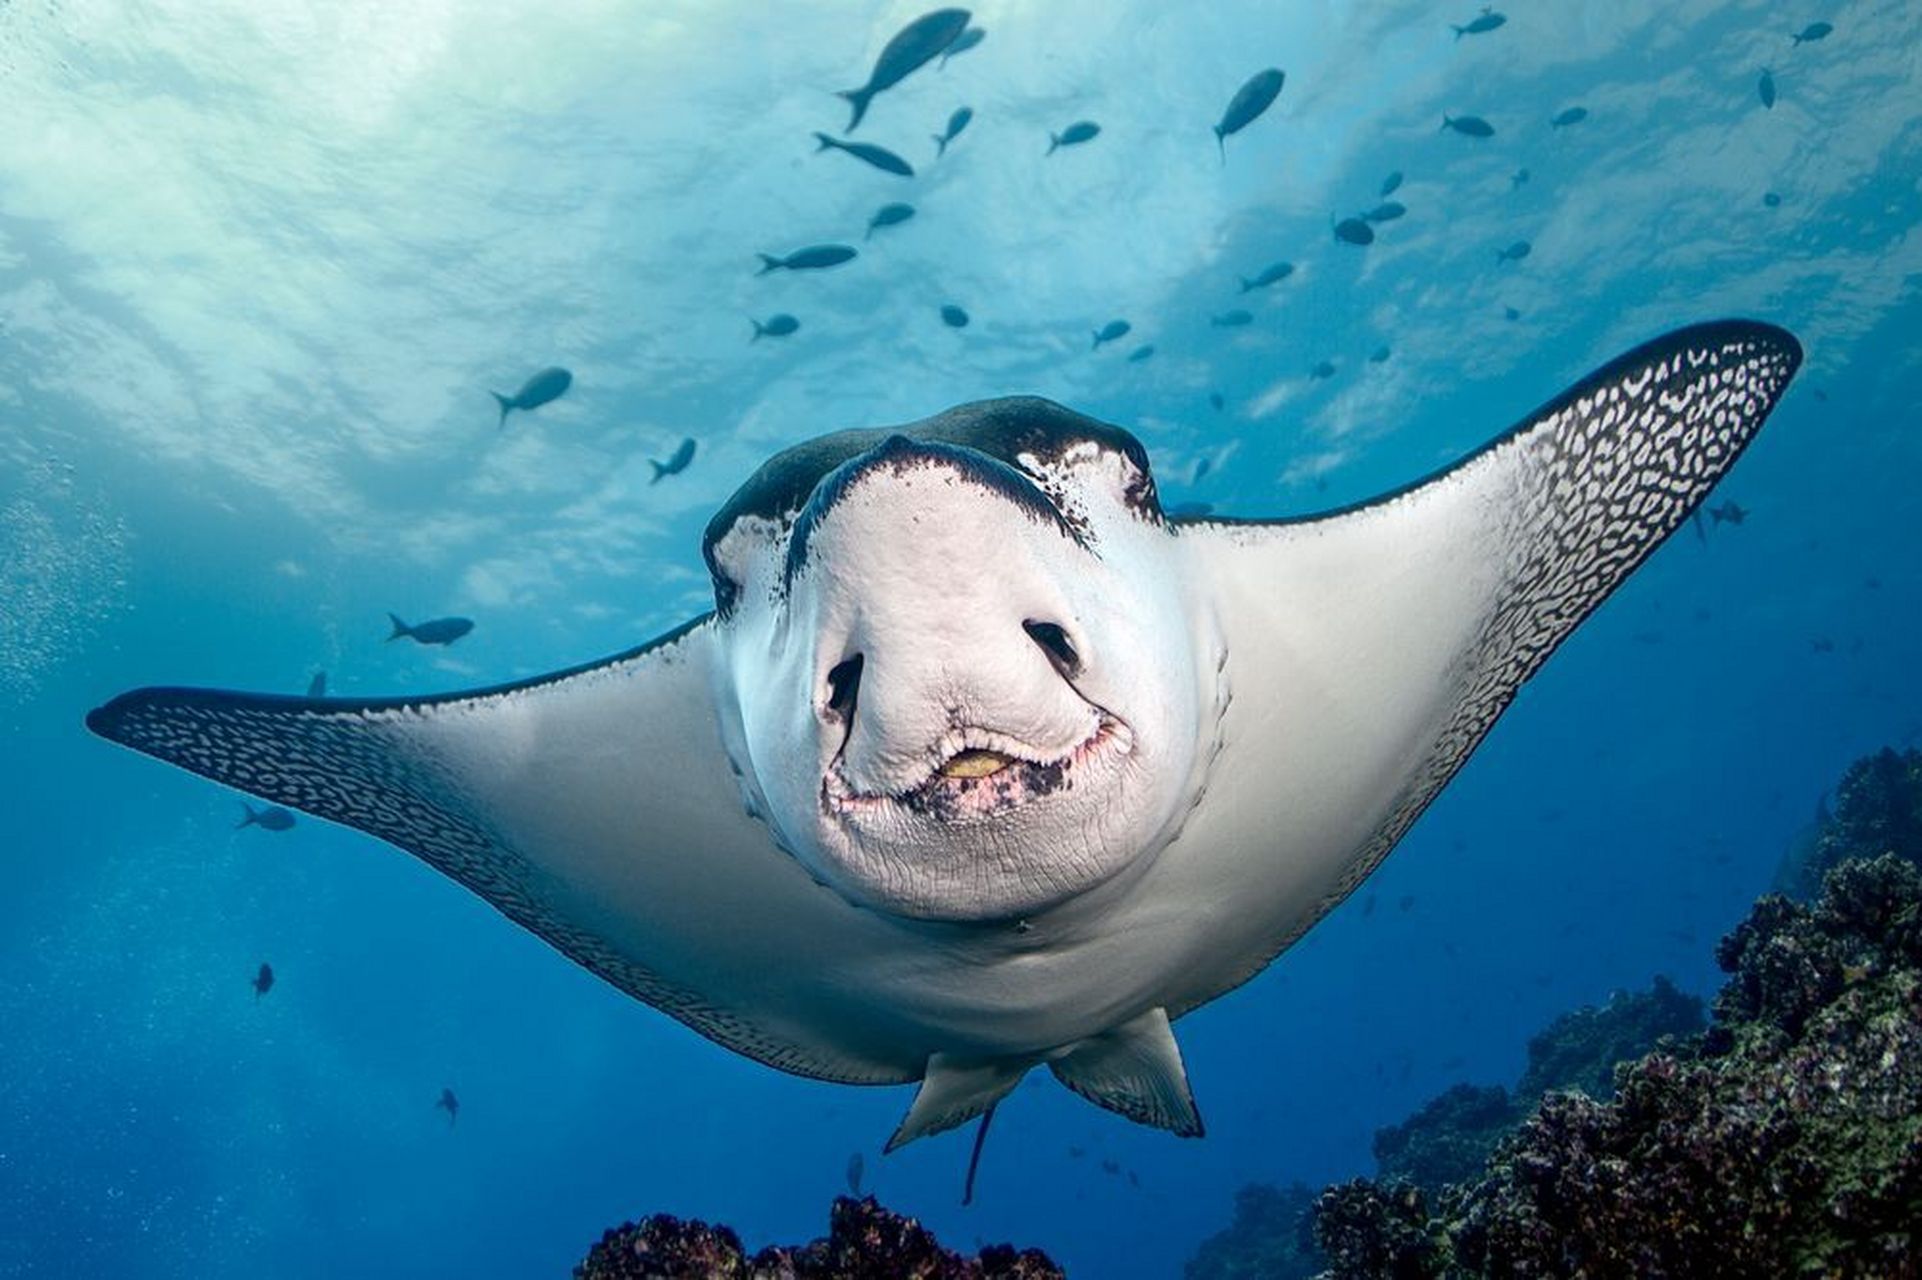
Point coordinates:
[(1135, 1070)]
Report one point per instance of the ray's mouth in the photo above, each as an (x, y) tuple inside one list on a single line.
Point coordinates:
[(974, 764), (981, 774)]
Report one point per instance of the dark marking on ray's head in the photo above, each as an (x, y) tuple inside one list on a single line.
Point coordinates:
[(1003, 429), (900, 456)]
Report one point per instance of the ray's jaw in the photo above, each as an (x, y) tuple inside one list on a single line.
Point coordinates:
[(991, 830), (976, 775)]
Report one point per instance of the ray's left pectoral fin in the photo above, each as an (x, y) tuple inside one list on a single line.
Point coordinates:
[(1370, 649), (1135, 1071)]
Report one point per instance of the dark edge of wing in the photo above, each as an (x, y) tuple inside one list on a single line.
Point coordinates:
[(103, 719), (1708, 333)]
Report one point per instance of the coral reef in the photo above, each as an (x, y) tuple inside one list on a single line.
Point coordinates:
[(1449, 1139), (1377, 1229), (1580, 1050), (1878, 810), (1271, 1238), (864, 1242), (1785, 1141)]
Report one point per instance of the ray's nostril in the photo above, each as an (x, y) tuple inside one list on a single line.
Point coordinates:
[(844, 685), (1055, 643)]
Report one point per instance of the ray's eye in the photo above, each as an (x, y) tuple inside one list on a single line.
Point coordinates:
[(844, 685), (1054, 642)]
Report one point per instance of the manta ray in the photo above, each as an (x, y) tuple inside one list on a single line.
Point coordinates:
[(980, 762)]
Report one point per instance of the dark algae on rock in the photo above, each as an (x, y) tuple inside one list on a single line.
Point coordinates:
[(1271, 1238), (864, 1242)]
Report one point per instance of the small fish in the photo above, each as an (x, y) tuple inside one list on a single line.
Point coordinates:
[(676, 462), (1486, 22), (1765, 89), (1075, 1153), (1190, 510), (1386, 211), (1379, 355), (548, 384), (1772, 200), (888, 215), (1274, 273), (1730, 512), (880, 157), (317, 687), (268, 818), (1216, 401), (450, 1104), (1110, 1165), (1406, 901), (1140, 353), (954, 317), (1202, 467), (263, 981), (1253, 98), (1232, 319), (968, 38), (433, 631), (1073, 136), (1813, 32), (1354, 231), (1509, 313), (1110, 331), (956, 123), (916, 44), (1519, 178), (1514, 252), (1822, 644), (857, 1169), (1368, 906), (812, 258), (1391, 184), (1573, 115), (1323, 369), (779, 325), (1469, 126)]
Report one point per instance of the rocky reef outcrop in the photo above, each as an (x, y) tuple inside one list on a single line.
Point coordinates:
[(1785, 1139), (864, 1242)]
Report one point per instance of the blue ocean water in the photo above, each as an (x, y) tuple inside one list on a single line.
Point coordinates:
[(261, 263)]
